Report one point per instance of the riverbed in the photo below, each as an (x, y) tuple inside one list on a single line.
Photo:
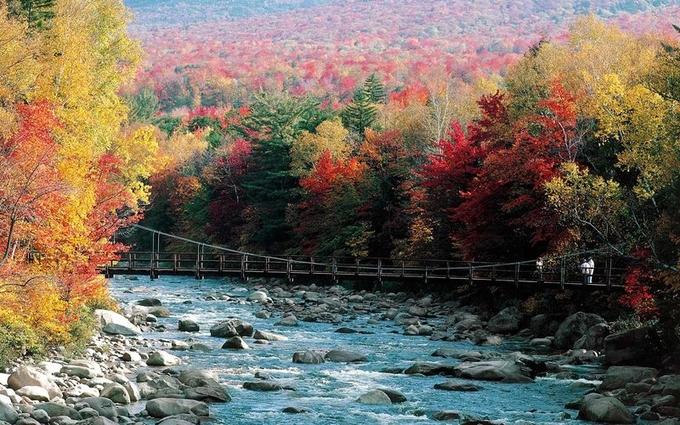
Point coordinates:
[(329, 391)]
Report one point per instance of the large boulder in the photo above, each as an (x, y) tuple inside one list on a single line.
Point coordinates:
[(162, 358), (506, 321), (187, 325), (265, 386), (308, 357), (56, 409), (543, 325), (289, 320), (494, 370), (259, 297), (82, 369), (25, 376), (8, 413), (34, 393), (634, 347), (116, 393), (164, 407), (344, 356), (618, 376), (430, 369), (103, 406), (594, 337), (599, 408), (574, 327), (268, 336), (374, 397), (150, 302), (235, 343), (232, 327), (114, 324)]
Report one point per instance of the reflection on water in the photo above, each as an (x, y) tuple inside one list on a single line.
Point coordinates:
[(328, 391)]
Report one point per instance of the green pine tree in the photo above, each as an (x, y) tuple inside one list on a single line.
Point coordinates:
[(271, 186), (360, 114), (374, 89), (143, 105), (38, 13)]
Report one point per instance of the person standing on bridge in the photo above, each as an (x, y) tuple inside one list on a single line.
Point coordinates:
[(539, 268), (583, 267), (590, 269)]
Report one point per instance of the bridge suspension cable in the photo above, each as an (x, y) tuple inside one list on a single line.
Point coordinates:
[(474, 266)]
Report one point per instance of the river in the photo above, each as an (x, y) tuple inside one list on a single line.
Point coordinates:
[(328, 391)]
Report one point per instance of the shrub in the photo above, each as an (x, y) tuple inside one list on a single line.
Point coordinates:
[(17, 339)]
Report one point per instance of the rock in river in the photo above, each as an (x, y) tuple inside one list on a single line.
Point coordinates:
[(494, 370), (374, 397), (232, 327), (618, 376), (574, 327), (268, 336), (456, 386), (188, 326), (507, 321), (599, 408), (162, 358), (289, 320), (343, 356), (163, 407), (308, 357), (149, 302), (264, 386), (235, 343)]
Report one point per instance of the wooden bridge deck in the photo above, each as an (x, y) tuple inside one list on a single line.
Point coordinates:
[(608, 276)]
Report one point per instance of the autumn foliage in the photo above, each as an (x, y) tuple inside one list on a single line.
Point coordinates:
[(72, 169), (569, 156)]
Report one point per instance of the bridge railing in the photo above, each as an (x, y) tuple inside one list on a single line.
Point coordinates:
[(608, 272)]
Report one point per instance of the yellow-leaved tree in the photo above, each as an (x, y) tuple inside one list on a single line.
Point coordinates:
[(73, 169), (330, 136)]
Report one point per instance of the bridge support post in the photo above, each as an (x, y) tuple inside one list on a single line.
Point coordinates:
[(244, 266), (471, 277), (563, 273), (334, 270), (289, 270), (517, 266)]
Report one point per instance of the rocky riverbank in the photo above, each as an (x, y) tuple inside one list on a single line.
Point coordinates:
[(127, 376)]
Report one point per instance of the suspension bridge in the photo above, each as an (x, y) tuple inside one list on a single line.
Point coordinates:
[(209, 260)]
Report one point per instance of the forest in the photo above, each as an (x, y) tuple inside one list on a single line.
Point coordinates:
[(441, 140), (569, 150)]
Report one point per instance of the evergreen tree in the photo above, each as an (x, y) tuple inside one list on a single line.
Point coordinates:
[(37, 12), (273, 125), (374, 89), (143, 105), (360, 114)]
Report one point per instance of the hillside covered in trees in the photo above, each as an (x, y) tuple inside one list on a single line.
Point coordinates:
[(204, 53), (574, 147)]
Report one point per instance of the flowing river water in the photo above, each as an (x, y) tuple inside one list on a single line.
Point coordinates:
[(329, 390)]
